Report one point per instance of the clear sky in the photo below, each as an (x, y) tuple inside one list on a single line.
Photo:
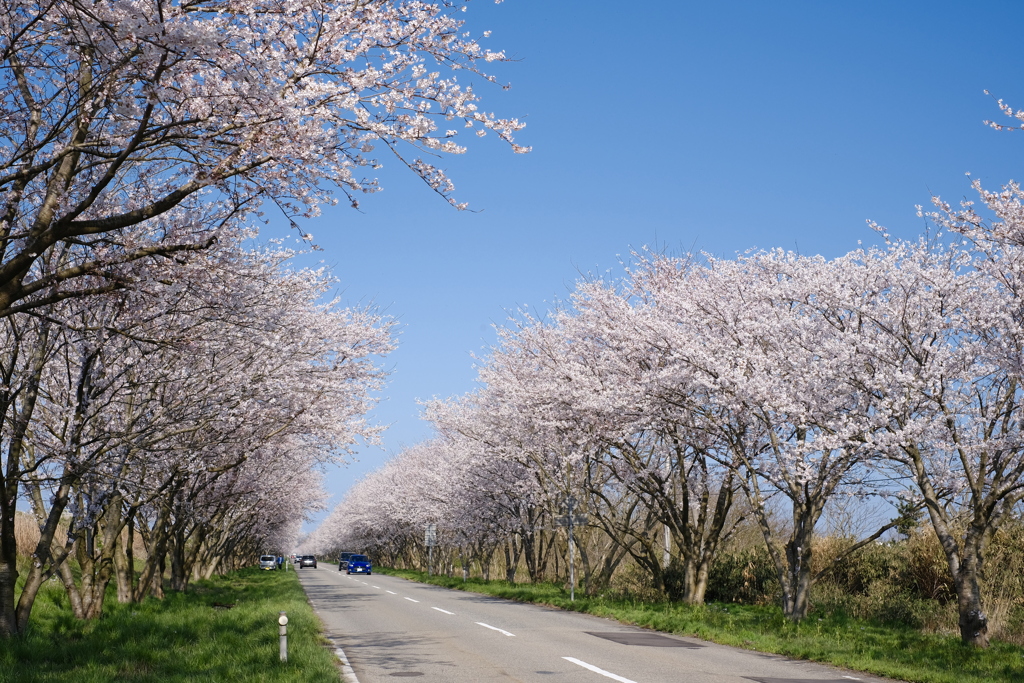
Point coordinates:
[(681, 126)]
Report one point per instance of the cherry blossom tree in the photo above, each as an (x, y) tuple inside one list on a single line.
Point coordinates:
[(773, 339), (143, 128), (645, 432), (949, 360), (171, 402)]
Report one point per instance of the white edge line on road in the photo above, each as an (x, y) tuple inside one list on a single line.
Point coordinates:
[(392, 592), (347, 674), (442, 610), (598, 671), (411, 600), (495, 628)]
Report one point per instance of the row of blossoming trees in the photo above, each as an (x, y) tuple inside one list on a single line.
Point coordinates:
[(157, 379), (188, 415), (695, 393)]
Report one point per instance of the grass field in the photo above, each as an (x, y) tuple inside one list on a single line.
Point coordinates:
[(884, 650), (224, 629)]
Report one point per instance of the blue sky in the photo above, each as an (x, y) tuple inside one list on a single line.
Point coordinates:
[(677, 125)]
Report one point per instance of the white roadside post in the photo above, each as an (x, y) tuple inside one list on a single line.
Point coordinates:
[(283, 621)]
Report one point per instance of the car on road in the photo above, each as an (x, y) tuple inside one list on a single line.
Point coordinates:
[(268, 561), (359, 564), (307, 561), (343, 561)]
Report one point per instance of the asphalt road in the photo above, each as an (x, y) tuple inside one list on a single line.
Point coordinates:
[(391, 628)]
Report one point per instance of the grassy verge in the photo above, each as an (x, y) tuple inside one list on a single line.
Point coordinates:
[(884, 650), (224, 629)]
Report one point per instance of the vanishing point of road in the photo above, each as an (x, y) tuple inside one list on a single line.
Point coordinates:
[(390, 628)]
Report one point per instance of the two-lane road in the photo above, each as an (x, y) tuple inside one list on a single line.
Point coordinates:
[(392, 628)]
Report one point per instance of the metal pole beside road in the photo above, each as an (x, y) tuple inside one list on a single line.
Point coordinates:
[(431, 541), (570, 503), (571, 520)]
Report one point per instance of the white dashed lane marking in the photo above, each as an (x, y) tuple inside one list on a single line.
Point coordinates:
[(442, 610), (495, 628), (607, 674), (411, 600)]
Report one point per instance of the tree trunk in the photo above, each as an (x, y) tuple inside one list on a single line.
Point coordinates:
[(963, 556), (796, 577), (512, 552), (47, 557), (10, 478), (530, 554), (973, 622), (700, 585), (151, 581), (74, 597), (8, 560), (122, 575), (124, 560), (179, 576)]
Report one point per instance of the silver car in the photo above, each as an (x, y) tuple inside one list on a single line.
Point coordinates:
[(268, 561)]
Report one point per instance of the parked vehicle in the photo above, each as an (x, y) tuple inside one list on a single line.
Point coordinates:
[(359, 564), (307, 561), (268, 562), (343, 561)]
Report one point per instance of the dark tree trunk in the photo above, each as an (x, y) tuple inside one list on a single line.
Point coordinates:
[(796, 576), (20, 417), (512, 553), (47, 557), (973, 622), (8, 559), (151, 580)]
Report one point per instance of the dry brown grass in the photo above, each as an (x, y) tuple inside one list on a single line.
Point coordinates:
[(1003, 586), (26, 533)]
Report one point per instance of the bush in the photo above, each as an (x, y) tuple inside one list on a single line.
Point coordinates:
[(633, 582), (746, 576)]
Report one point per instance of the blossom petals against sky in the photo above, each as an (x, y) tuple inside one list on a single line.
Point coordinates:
[(680, 126)]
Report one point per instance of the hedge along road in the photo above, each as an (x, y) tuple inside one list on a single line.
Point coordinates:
[(392, 628)]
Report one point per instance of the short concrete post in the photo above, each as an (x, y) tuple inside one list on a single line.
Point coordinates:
[(283, 621)]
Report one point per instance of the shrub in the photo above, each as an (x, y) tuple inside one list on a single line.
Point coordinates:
[(745, 576)]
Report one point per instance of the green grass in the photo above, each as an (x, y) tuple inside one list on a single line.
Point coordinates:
[(885, 650), (224, 629)]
